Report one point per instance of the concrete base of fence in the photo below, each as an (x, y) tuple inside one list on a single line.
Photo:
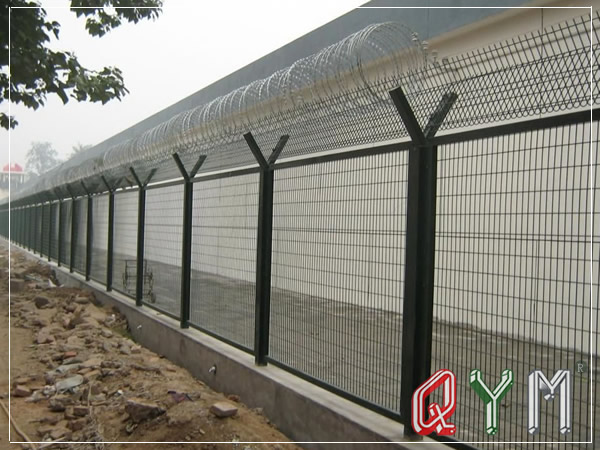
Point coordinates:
[(304, 412)]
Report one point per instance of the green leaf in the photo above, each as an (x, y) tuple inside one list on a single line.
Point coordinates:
[(36, 71)]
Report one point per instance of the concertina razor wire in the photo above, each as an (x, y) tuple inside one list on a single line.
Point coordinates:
[(348, 83)]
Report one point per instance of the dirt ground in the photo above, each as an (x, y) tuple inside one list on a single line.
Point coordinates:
[(77, 376)]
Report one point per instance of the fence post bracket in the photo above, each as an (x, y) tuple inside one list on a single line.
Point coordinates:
[(264, 245), (420, 249), (186, 241)]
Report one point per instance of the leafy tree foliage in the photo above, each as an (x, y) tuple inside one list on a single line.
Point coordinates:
[(37, 71), (78, 149), (41, 157)]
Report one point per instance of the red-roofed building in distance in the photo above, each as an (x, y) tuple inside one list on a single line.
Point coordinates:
[(12, 175)]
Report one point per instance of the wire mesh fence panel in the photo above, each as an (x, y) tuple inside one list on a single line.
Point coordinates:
[(10, 222), (24, 226), (223, 278), (15, 224), (30, 226), (99, 238), (41, 236), (337, 275), (38, 228), (20, 228), (23, 232), (80, 241), (27, 227), (54, 231), (65, 230), (35, 229), (5, 222), (162, 248), (125, 241), (46, 210), (513, 275)]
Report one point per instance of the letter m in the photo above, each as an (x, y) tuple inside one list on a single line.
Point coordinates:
[(538, 382)]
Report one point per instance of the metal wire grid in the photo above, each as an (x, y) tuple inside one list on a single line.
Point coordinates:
[(5, 224), (162, 248), (15, 221), (337, 274), (54, 233), (80, 235), (223, 281), (28, 226), (23, 237), (19, 230), (539, 72), (45, 225), (65, 229), (512, 273), (99, 238), (26, 237), (10, 222), (5, 221), (37, 227), (125, 240)]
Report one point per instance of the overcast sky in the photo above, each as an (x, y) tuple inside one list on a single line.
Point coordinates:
[(191, 45)]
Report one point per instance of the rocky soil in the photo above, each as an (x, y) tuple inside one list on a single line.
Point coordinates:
[(77, 376)]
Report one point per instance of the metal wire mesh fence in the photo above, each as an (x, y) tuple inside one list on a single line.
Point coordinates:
[(45, 229), (99, 238), (337, 283), (66, 222), (125, 241), (54, 230), (223, 277), (375, 251), (80, 236), (26, 227), (513, 271), (29, 227), (37, 226), (6, 221), (162, 248)]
